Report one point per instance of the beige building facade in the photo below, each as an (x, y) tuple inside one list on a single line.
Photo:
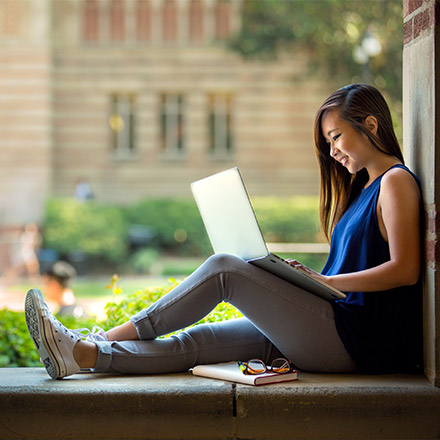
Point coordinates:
[(139, 98)]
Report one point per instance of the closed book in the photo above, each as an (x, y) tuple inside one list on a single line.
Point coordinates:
[(230, 371)]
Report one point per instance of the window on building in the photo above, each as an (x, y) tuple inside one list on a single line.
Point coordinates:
[(143, 20), (220, 125), (171, 125), (117, 20), (91, 20), (121, 123), (222, 19), (169, 22), (11, 18), (196, 14)]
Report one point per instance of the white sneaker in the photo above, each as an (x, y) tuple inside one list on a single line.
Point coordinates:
[(54, 342)]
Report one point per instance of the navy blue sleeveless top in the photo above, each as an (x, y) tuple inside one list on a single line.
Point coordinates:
[(382, 331)]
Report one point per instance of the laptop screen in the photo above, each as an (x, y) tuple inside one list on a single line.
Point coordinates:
[(228, 216)]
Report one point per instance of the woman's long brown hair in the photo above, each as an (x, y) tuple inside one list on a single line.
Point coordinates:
[(338, 187)]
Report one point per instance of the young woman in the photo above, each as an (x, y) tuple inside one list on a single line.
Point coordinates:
[(370, 208)]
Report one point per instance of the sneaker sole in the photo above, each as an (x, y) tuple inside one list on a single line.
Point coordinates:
[(36, 313)]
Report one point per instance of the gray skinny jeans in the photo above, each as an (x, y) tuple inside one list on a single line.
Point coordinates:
[(280, 320)]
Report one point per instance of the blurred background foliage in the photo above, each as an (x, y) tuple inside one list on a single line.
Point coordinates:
[(345, 41), (95, 228)]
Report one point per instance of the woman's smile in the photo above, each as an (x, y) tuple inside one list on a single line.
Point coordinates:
[(347, 146)]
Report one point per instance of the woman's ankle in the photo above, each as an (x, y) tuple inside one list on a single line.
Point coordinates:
[(85, 354)]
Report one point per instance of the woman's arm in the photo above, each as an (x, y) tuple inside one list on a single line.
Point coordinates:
[(398, 212)]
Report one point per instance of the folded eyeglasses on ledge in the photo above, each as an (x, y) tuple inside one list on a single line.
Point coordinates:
[(257, 366)]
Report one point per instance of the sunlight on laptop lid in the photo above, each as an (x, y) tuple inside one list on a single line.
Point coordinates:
[(228, 216)]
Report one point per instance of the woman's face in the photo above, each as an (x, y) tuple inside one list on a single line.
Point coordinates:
[(346, 145)]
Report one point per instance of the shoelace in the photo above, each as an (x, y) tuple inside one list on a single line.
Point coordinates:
[(97, 334)]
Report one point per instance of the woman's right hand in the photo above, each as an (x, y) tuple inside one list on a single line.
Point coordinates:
[(299, 265)]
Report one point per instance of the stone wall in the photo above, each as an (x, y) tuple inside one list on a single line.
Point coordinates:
[(421, 121)]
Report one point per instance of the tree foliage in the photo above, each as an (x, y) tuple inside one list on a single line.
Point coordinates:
[(346, 40)]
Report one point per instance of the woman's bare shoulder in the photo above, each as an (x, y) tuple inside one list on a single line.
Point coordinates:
[(399, 186), (400, 179)]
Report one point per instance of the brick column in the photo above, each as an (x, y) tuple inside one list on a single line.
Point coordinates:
[(421, 117)]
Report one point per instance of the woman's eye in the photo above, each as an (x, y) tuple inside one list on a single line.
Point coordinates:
[(336, 137)]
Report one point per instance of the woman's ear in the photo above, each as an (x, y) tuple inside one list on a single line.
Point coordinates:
[(371, 124)]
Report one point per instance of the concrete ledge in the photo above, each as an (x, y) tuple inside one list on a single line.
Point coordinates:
[(181, 406)]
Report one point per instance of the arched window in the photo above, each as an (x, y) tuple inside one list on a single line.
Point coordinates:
[(170, 20), (143, 20), (222, 19), (11, 18), (196, 14), (91, 20), (117, 20)]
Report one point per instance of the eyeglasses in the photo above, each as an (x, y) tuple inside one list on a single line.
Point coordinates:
[(257, 366)]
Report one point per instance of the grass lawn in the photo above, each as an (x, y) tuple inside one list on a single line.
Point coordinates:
[(96, 288)]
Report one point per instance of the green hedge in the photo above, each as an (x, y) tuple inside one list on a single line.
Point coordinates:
[(95, 228), (16, 346), (101, 230), (176, 222), (289, 220)]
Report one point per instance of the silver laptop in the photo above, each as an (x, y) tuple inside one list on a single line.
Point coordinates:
[(232, 228)]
